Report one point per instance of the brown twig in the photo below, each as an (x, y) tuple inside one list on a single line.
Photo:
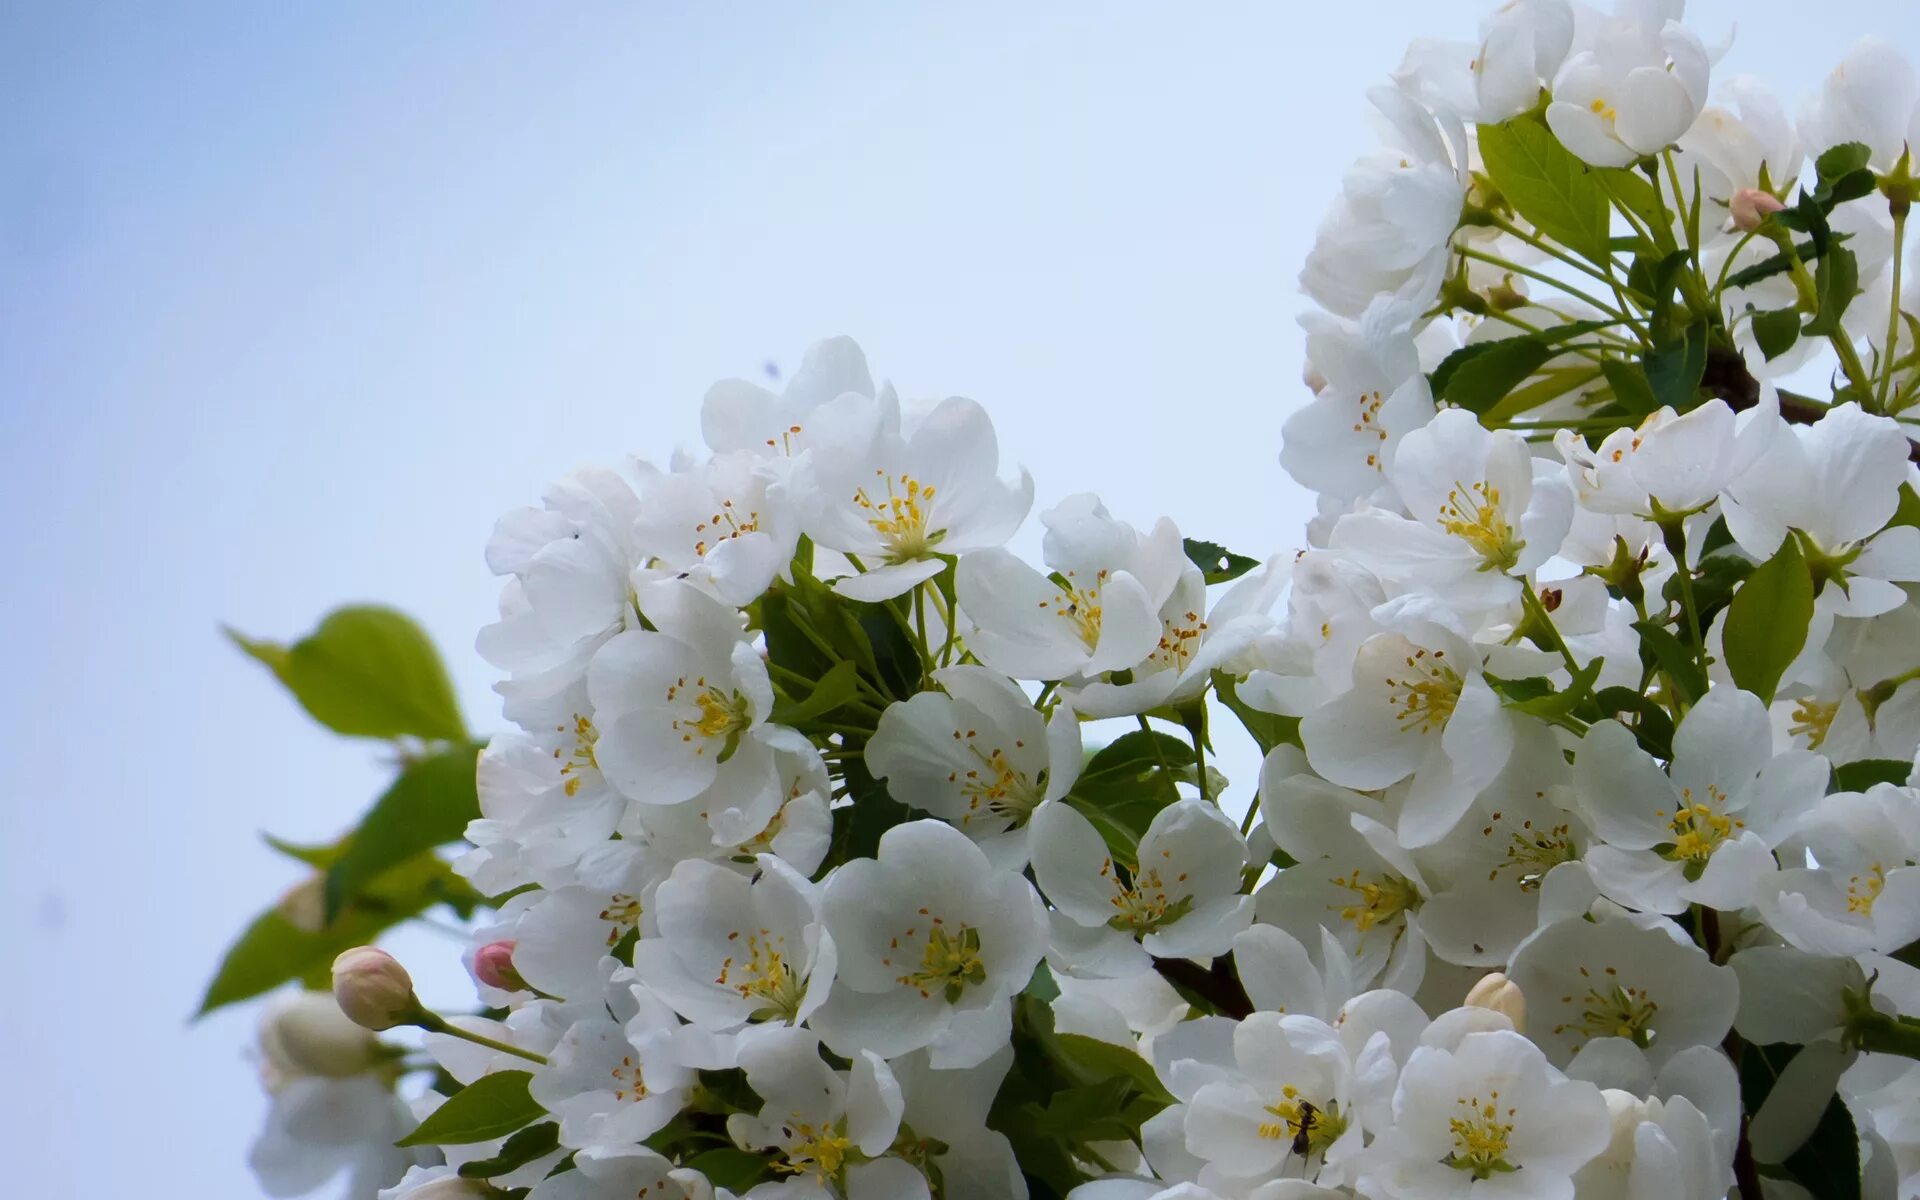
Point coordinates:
[(1727, 377), (1216, 983)]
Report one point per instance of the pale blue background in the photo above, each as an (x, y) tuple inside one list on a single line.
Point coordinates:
[(295, 298)]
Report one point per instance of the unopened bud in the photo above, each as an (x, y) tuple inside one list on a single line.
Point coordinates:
[(493, 966), (304, 906), (305, 1033), (373, 989), (1495, 991), (1751, 206)]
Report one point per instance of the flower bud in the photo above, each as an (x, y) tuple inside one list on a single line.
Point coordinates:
[(304, 906), (1751, 206), (372, 988), (1495, 991), (493, 966), (306, 1034)]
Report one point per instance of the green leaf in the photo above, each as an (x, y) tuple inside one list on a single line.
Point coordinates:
[(1650, 723), (317, 857), (1836, 281), (1216, 561), (491, 1106), (429, 805), (1553, 383), (1635, 193), (1777, 264), (730, 1168), (1776, 331), (1096, 1059), (366, 672), (1267, 729), (1482, 381), (1861, 774), (1828, 1162), (273, 950), (1842, 160), (1551, 705), (1768, 619), (858, 826), (535, 1141), (1674, 371), (1663, 650), (1124, 786), (1630, 386), (1547, 185), (1909, 511), (840, 684)]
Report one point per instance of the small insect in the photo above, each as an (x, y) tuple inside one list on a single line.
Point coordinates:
[(1303, 1138)]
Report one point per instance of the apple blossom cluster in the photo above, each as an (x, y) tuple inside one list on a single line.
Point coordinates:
[(838, 852)]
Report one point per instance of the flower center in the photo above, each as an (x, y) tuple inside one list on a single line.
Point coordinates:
[(1426, 694), (901, 515), (765, 975), (949, 964), (1862, 891), (1144, 905), (723, 526), (578, 758), (819, 1151), (995, 783), (628, 1080), (1474, 515), (1481, 1132), (1310, 1127), (723, 717), (1531, 851), (623, 913), (1699, 827), (1179, 642), (1376, 901), (1812, 719), (1079, 606), (1369, 424), (784, 442), (1614, 1009)]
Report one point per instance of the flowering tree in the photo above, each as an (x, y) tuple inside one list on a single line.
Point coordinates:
[(836, 851)]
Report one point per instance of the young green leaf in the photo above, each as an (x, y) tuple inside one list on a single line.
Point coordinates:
[(1767, 620), (491, 1106), (1776, 331), (1217, 562), (535, 1141), (429, 805), (366, 671), (1835, 281), (1861, 774), (1630, 386), (274, 949), (1547, 185), (840, 684), (1674, 371)]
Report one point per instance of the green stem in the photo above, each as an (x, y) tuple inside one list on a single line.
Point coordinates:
[(1893, 305), (1882, 1034), (1530, 601), (1506, 265), (434, 1023)]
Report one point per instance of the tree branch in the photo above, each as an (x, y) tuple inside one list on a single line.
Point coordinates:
[(1217, 983), (1727, 377)]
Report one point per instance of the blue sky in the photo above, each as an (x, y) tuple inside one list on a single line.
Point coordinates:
[(294, 300)]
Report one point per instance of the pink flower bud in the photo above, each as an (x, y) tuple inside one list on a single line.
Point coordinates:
[(493, 966), (1751, 206), (1500, 994), (372, 988)]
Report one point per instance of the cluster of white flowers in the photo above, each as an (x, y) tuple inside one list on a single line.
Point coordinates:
[(1589, 714)]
